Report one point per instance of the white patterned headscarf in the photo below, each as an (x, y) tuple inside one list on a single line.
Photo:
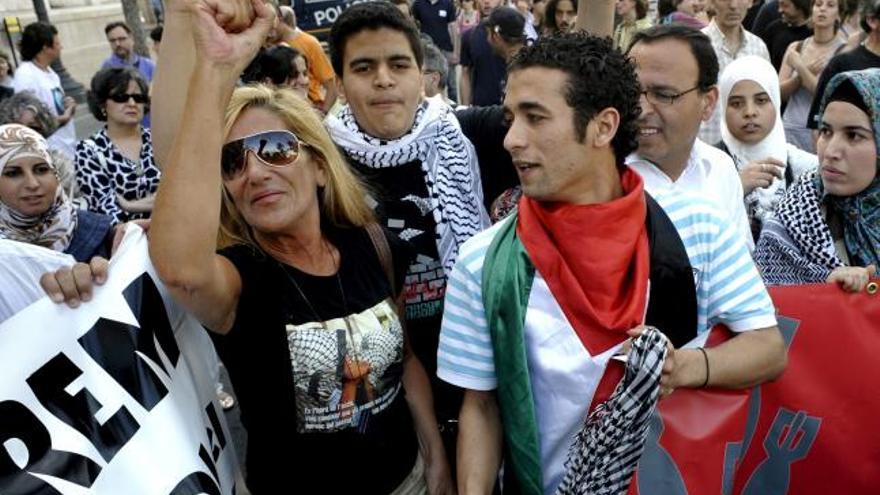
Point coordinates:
[(753, 68), (53, 228)]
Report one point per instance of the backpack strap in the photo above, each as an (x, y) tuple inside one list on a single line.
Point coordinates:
[(672, 300)]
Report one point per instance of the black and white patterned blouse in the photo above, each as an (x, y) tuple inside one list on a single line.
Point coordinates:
[(102, 172)]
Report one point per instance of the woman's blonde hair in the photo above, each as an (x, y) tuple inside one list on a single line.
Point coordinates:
[(344, 198)]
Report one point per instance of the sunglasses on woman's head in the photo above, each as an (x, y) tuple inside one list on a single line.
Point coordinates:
[(124, 97), (273, 148)]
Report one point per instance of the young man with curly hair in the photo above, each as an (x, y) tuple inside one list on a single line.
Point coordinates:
[(538, 304)]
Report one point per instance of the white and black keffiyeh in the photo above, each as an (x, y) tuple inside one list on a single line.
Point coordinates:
[(448, 160), (604, 454), (796, 246)]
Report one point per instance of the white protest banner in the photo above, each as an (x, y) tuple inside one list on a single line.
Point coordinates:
[(114, 397)]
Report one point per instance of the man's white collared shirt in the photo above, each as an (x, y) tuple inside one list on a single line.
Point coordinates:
[(710, 173)]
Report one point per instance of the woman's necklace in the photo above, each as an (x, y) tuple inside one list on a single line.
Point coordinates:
[(302, 293), (354, 368)]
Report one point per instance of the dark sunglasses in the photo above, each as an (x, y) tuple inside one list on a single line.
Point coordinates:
[(273, 148), (124, 97)]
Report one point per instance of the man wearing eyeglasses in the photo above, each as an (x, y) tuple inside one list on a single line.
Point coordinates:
[(122, 43), (678, 72)]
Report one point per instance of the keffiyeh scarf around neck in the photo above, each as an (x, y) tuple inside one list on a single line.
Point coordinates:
[(860, 212), (448, 161), (54, 228), (796, 246)]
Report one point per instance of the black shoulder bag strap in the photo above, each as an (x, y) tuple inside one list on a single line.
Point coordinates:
[(672, 302)]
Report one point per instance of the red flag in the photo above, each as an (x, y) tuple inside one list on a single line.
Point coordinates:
[(811, 431)]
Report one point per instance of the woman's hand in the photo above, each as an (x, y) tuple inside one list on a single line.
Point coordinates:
[(233, 15), (217, 44), (817, 65), (74, 284), (760, 173), (852, 278), (794, 60)]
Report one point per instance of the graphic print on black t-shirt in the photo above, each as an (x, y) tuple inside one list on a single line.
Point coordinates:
[(346, 369), (407, 211)]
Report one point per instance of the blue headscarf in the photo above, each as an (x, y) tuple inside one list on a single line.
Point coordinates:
[(860, 212)]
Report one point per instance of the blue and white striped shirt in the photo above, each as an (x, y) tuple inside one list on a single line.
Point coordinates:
[(729, 289)]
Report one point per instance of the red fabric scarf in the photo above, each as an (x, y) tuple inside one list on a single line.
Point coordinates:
[(594, 259)]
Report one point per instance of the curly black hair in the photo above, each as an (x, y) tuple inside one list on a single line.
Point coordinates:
[(109, 82), (371, 16), (599, 77), (35, 37)]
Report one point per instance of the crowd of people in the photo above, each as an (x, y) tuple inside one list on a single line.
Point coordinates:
[(418, 251)]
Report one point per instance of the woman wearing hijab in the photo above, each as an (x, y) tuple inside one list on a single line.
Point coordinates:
[(33, 209), (827, 227), (753, 134)]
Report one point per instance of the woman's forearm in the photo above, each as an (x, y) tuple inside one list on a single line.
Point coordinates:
[(421, 406), (808, 80), (173, 72), (186, 212), (788, 86)]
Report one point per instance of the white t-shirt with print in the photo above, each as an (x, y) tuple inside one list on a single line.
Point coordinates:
[(46, 85)]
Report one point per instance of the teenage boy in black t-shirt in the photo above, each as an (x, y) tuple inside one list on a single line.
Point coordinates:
[(422, 171)]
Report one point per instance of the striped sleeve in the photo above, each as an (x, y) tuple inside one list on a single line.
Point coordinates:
[(465, 356), (729, 287)]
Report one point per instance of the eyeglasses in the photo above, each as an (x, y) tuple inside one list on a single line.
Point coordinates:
[(272, 148), (665, 97), (138, 98)]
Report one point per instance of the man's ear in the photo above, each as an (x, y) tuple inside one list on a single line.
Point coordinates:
[(710, 99), (605, 125), (340, 89)]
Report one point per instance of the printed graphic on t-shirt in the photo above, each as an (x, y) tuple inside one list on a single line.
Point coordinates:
[(346, 369), (412, 219), (58, 99), (424, 288)]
